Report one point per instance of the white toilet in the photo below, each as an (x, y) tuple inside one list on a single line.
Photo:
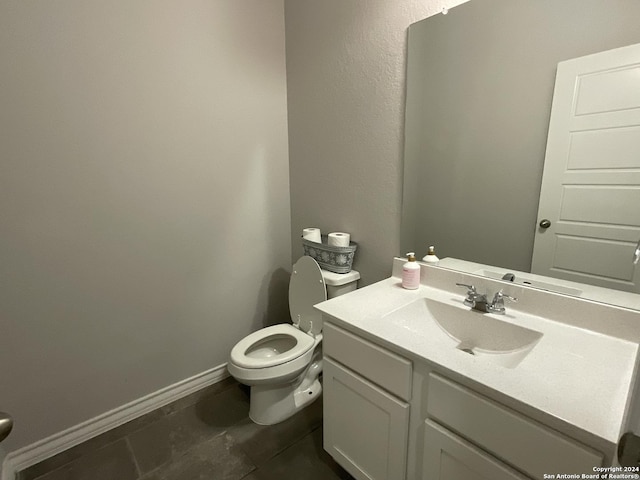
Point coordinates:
[(282, 363)]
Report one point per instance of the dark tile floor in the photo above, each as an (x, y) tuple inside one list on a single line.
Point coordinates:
[(206, 436)]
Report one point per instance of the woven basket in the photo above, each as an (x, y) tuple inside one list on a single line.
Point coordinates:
[(333, 259)]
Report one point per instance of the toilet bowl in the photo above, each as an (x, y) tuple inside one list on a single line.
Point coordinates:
[(282, 363)]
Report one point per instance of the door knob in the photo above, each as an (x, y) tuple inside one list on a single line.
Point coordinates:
[(629, 450), (6, 424), (545, 223)]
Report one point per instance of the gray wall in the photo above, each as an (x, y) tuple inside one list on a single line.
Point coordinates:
[(346, 84), (144, 197), (479, 98)]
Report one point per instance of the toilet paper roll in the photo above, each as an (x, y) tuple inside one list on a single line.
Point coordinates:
[(338, 239), (312, 234)]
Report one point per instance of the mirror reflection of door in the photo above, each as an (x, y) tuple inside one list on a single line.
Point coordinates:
[(590, 191)]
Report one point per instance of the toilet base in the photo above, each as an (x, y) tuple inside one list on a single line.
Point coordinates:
[(271, 404)]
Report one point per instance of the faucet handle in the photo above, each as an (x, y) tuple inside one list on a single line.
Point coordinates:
[(500, 295), (497, 305), (471, 288), (472, 294)]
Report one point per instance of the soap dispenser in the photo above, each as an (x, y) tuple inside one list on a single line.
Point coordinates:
[(430, 257), (411, 272)]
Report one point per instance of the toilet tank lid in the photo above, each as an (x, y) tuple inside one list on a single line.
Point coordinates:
[(337, 279)]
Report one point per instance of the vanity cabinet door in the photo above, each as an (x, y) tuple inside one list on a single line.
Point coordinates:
[(365, 428), (449, 457)]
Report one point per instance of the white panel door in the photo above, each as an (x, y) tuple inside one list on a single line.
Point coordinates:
[(365, 428), (591, 182), (449, 457)]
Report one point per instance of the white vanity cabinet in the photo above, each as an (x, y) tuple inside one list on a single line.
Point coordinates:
[(366, 409), (386, 418)]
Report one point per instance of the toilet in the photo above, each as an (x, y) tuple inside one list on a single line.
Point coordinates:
[(282, 363)]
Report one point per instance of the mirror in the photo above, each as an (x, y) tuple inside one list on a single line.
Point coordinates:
[(480, 83)]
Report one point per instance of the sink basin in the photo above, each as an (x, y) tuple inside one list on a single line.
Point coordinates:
[(471, 332)]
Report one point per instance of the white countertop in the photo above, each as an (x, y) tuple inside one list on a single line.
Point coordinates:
[(582, 377)]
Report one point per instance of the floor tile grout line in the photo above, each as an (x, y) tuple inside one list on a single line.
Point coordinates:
[(71, 462), (66, 465), (154, 472), (133, 457), (289, 446), (282, 452), (279, 451), (177, 453)]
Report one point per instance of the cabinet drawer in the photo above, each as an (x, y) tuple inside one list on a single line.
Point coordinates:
[(375, 363), (527, 445)]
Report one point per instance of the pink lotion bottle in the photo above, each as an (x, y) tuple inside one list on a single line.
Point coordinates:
[(411, 272)]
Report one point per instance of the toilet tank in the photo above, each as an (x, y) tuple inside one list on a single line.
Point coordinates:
[(340, 283)]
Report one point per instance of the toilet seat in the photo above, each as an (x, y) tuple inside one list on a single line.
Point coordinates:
[(241, 353)]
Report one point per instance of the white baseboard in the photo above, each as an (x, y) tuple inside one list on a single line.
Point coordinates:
[(59, 442)]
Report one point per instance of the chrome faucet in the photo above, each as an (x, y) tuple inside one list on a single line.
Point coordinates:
[(636, 254), (475, 300), (478, 301)]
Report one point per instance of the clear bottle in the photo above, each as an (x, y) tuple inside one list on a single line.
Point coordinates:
[(430, 257), (411, 272)]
